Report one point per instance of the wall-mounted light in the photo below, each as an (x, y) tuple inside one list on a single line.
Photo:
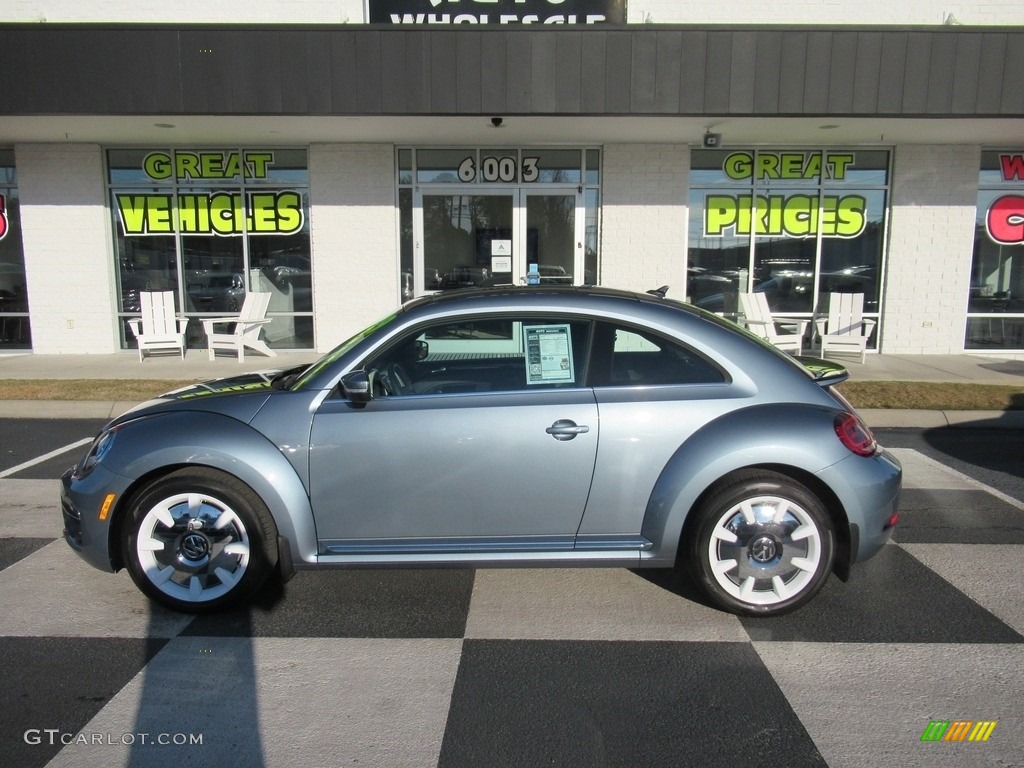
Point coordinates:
[(497, 122), (712, 140)]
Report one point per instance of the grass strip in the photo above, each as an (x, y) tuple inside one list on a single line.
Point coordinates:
[(933, 395), (133, 390)]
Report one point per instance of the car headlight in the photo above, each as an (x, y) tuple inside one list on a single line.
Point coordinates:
[(97, 451)]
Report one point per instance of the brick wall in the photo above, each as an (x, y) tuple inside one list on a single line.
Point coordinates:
[(354, 228), (643, 217), (931, 242), (69, 269)]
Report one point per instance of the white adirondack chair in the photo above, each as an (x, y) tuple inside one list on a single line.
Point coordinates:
[(158, 328), (237, 333), (761, 321), (844, 328)]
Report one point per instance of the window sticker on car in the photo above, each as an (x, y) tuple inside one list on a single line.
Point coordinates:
[(548, 354)]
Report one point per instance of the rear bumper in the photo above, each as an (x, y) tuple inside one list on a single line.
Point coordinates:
[(869, 490)]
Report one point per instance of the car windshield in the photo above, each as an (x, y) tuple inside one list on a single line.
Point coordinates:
[(340, 350)]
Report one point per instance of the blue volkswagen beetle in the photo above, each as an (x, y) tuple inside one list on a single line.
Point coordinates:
[(540, 426)]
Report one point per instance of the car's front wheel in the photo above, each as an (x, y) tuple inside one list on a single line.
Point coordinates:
[(763, 544), (198, 540)]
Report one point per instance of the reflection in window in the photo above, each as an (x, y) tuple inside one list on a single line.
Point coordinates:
[(995, 302), (15, 331), (212, 225), (483, 354), (625, 357), (461, 233), (795, 225)]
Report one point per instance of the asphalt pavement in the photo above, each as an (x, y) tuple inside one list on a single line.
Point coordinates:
[(196, 366), (461, 668)]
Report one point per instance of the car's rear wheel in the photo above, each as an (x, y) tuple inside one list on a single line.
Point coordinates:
[(199, 540), (763, 544)]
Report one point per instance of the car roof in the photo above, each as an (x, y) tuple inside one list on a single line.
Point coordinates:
[(572, 292)]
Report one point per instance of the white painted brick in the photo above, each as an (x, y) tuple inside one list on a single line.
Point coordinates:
[(67, 240), (354, 225), (643, 217), (931, 234), (185, 11), (639, 11), (815, 12)]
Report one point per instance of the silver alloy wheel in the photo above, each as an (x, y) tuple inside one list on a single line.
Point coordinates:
[(765, 550), (192, 547)]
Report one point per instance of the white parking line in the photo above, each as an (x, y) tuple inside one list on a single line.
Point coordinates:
[(45, 457), (909, 456)]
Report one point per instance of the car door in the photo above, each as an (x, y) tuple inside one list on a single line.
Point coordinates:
[(488, 444), (652, 393)]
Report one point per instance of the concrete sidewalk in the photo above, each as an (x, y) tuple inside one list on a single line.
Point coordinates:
[(197, 367)]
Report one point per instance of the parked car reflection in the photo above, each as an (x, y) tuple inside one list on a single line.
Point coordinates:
[(792, 291)]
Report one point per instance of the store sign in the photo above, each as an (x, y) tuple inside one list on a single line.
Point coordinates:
[(1004, 220), (496, 11), (788, 166), (228, 214), (3, 217), (784, 214), (204, 166), (221, 213)]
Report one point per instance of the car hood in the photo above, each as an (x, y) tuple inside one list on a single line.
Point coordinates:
[(238, 396), (256, 381)]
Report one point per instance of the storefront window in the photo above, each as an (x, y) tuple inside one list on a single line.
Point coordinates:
[(15, 331), (795, 225), (211, 225), (995, 303)]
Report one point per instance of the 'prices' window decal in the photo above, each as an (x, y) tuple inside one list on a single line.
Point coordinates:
[(781, 213)]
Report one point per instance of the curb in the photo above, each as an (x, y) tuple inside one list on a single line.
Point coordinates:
[(881, 418)]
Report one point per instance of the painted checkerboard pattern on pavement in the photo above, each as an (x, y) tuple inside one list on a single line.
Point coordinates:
[(523, 667)]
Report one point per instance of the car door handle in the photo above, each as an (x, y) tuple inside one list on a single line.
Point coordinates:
[(566, 429)]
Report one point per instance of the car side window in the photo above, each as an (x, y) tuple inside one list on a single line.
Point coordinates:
[(626, 357), (483, 354)]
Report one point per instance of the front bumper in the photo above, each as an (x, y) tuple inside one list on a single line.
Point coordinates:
[(81, 500)]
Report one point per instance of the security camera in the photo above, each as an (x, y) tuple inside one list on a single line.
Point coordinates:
[(712, 140), (497, 121)]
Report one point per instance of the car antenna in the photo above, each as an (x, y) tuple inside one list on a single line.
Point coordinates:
[(659, 292)]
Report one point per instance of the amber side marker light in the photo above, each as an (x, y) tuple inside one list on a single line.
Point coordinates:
[(108, 502)]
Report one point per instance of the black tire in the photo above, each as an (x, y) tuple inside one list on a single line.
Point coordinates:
[(199, 540), (742, 552)]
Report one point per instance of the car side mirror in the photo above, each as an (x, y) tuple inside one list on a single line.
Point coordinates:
[(422, 350), (356, 387)]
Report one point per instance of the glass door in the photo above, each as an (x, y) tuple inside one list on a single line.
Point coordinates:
[(553, 236), (483, 237), (463, 239)]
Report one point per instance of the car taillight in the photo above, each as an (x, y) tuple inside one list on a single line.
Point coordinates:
[(855, 435)]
